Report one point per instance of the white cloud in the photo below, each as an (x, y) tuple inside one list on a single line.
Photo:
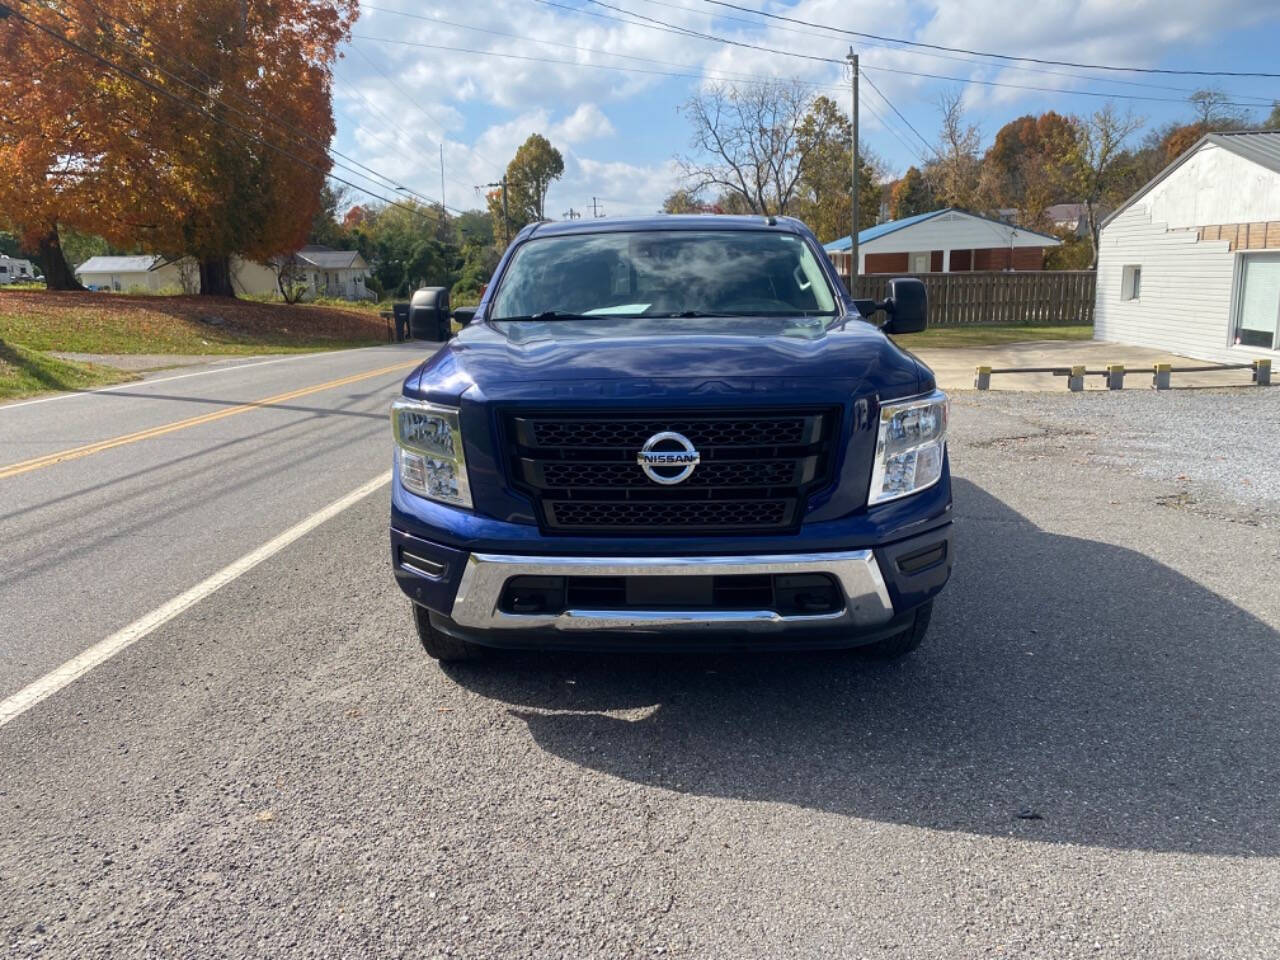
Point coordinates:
[(587, 122), (483, 103)]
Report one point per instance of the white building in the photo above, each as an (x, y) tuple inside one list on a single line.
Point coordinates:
[(943, 241), (15, 269), (321, 271), (1191, 262), (326, 272), (144, 273)]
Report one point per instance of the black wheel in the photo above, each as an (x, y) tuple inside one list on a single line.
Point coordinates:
[(899, 645), (439, 645)]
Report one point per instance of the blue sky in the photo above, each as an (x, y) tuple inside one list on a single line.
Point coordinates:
[(399, 97)]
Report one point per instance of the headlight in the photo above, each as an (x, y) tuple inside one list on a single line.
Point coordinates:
[(910, 446), (429, 448)]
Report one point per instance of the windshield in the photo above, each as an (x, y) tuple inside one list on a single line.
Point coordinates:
[(664, 274)]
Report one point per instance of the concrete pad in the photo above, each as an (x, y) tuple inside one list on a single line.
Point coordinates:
[(954, 366)]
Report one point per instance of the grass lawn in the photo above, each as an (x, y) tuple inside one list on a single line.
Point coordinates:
[(991, 336), (125, 323), (24, 372)]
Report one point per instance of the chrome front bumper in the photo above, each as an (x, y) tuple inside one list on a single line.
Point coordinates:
[(866, 598)]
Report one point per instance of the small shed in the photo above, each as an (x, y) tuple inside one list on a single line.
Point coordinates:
[(1191, 262), (943, 241), (141, 273)]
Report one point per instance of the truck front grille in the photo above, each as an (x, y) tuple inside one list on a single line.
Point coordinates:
[(754, 474)]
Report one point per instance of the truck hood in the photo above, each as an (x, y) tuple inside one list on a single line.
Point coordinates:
[(494, 357)]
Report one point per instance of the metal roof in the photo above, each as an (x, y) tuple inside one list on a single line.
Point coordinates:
[(136, 264), (1259, 146), (882, 229), (329, 259), (893, 226)]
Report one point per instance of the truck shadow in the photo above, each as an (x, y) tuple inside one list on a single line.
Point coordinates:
[(1070, 692)]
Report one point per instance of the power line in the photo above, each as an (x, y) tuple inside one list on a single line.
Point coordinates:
[(385, 136), (997, 56), (911, 73), (413, 101), (713, 16), (568, 63), (928, 145)]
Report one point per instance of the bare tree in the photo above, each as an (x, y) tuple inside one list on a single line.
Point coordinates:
[(1098, 163), (1215, 111), (956, 172), (290, 278), (745, 142)]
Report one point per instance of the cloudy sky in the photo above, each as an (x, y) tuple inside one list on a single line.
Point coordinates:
[(604, 80)]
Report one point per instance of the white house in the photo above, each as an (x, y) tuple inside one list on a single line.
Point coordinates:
[(943, 241), (15, 269), (326, 272), (1191, 262), (323, 272)]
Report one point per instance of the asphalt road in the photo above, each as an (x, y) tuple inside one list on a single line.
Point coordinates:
[(1083, 761)]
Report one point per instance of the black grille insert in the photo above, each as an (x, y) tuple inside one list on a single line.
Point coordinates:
[(755, 472), (795, 594)]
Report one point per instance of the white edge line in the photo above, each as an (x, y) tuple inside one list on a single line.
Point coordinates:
[(102, 651), (70, 394)]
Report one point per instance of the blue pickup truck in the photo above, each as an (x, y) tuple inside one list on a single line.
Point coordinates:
[(672, 433)]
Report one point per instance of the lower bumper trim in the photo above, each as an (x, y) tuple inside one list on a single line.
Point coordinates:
[(866, 598)]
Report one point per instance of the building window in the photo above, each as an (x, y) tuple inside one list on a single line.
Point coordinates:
[(1131, 283), (1258, 304)]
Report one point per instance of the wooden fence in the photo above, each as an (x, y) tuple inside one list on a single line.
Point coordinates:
[(964, 299)]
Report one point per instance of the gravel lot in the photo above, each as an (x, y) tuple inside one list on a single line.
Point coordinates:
[(1218, 446)]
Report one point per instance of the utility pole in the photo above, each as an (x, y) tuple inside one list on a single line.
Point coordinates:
[(443, 208), (571, 214), (596, 210), (853, 233), (506, 217)]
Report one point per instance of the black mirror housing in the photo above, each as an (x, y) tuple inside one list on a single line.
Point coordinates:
[(907, 306), (464, 315)]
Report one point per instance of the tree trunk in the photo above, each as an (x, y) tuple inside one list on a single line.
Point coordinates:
[(215, 278), (58, 274)]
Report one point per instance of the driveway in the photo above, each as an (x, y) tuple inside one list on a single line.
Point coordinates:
[(954, 366), (1080, 762)]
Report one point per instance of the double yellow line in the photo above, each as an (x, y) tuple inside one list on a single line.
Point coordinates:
[(75, 453)]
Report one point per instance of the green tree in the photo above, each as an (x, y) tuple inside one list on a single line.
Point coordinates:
[(684, 201), (326, 225), (824, 142), (1273, 118), (478, 263), (9, 244), (536, 165), (911, 195)]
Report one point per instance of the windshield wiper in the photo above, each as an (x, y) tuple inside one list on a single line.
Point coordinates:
[(550, 315), (691, 314)]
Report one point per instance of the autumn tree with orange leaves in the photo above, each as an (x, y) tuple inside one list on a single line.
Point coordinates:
[(179, 129)]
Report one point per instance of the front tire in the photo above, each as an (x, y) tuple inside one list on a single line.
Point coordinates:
[(441, 646), (895, 647)]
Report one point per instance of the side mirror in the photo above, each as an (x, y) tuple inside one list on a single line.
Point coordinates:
[(464, 315), (907, 306)]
